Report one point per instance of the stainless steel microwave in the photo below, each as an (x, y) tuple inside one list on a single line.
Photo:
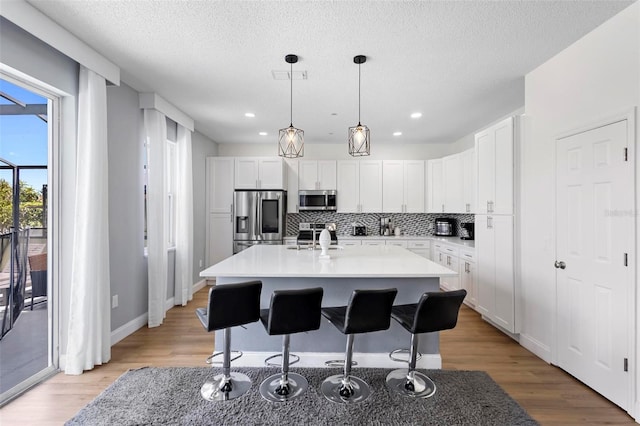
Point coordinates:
[(324, 200)]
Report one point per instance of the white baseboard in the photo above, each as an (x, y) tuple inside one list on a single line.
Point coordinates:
[(318, 359), (129, 328), (199, 285), (536, 347)]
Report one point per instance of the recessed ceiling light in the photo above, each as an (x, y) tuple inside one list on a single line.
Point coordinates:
[(416, 115), (249, 114), (397, 133), (263, 133)]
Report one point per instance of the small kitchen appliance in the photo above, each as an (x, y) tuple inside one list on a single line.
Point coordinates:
[(358, 230), (466, 231), (309, 233), (445, 227), (386, 227), (317, 200)]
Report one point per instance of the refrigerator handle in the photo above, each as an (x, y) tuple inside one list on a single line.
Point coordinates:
[(259, 215)]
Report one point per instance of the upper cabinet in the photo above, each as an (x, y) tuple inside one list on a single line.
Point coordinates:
[(359, 186), (259, 173), (219, 184), (451, 183), (292, 185), (469, 179), (494, 151), (403, 189), (317, 174), (435, 186)]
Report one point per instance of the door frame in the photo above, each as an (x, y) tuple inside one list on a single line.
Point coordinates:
[(633, 296)]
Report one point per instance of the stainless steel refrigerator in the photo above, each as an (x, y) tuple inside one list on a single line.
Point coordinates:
[(259, 218)]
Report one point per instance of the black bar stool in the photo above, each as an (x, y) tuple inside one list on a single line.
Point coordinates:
[(230, 305), (367, 311), (435, 311), (291, 311)]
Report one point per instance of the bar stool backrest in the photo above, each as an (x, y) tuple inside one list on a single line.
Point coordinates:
[(231, 305), (294, 311), (437, 311), (369, 310)]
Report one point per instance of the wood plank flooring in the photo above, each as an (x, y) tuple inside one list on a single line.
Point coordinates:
[(548, 394)]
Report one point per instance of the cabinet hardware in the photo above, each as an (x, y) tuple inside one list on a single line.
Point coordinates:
[(468, 208), (560, 265), (625, 159), (231, 210), (626, 260), (466, 267), (443, 208), (489, 222), (626, 364)]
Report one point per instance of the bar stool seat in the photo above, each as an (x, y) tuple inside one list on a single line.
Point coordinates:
[(436, 311), (290, 311), (230, 305), (367, 311)]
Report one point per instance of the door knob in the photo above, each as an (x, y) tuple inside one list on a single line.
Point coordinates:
[(560, 265)]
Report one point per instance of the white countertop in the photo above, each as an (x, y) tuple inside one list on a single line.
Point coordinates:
[(349, 262)]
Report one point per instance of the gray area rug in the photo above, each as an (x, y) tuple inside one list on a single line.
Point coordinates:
[(172, 396)]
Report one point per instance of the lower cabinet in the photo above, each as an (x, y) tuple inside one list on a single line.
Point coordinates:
[(468, 277), (220, 241)]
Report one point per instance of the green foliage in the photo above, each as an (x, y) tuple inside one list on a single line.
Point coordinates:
[(30, 206)]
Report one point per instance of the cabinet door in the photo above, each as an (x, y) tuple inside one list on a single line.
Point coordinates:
[(348, 186), (485, 257), (373, 242), (350, 243), (414, 186), (435, 182), (370, 192), (452, 171), (327, 174), (246, 173), (308, 175), (292, 185), (219, 238), (504, 311), (503, 190), (393, 186), (402, 244), (220, 184), (271, 173), (469, 180), (468, 281), (485, 153)]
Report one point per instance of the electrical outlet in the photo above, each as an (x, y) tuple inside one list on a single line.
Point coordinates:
[(114, 301)]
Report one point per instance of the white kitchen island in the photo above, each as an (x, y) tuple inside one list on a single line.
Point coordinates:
[(361, 267)]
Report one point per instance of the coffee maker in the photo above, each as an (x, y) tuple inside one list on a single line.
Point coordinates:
[(386, 227), (466, 231)]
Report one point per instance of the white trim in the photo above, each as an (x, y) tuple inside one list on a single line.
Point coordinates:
[(199, 285), (24, 386), (318, 359), (128, 329), (153, 101), (41, 26), (170, 303), (536, 347)]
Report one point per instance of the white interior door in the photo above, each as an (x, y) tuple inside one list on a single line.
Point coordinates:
[(595, 232)]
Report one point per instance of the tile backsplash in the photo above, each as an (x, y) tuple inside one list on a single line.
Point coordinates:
[(409, 223)]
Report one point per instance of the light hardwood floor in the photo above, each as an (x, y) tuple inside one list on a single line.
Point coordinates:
[(548, 394)]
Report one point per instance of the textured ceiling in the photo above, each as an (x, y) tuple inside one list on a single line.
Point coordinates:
[(460, 63)]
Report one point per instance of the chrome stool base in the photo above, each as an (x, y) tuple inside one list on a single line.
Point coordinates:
[(416, 384), (223, 388), (269, 388), (335, 390)]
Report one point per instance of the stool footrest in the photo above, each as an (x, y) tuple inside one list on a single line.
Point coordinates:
[(338, 363), (217, 354), (295, 357), (407, 352)]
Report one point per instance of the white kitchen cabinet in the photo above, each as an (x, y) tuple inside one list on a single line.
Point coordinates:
[(259, 173), (359, 186), (469, 179), (495, 269), (219, 184), (219, 201), (452, 186), (292, 185), (403, 186), (373, 242), (219, 238), (495, 168), (448, 257), (349, 243), (422, 248), (317, 174), (468, 277), (397, 243), (435, 186)]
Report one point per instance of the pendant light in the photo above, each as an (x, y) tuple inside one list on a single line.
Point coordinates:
[(359, 137), (290, 139)]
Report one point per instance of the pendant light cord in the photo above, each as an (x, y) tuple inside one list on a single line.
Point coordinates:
[(291, 95), (358, 94)]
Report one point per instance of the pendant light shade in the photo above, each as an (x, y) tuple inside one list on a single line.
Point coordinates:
[(291, 139), (359, 137)]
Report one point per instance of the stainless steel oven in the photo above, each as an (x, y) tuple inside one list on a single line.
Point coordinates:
[(259, 218), (317, 200)]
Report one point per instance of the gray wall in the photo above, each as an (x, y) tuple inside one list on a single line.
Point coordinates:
[(126, 205), (202, 148)]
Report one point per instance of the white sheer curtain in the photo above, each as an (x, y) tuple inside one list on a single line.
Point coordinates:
[(155, 127), (89, 333), (184, 220)]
